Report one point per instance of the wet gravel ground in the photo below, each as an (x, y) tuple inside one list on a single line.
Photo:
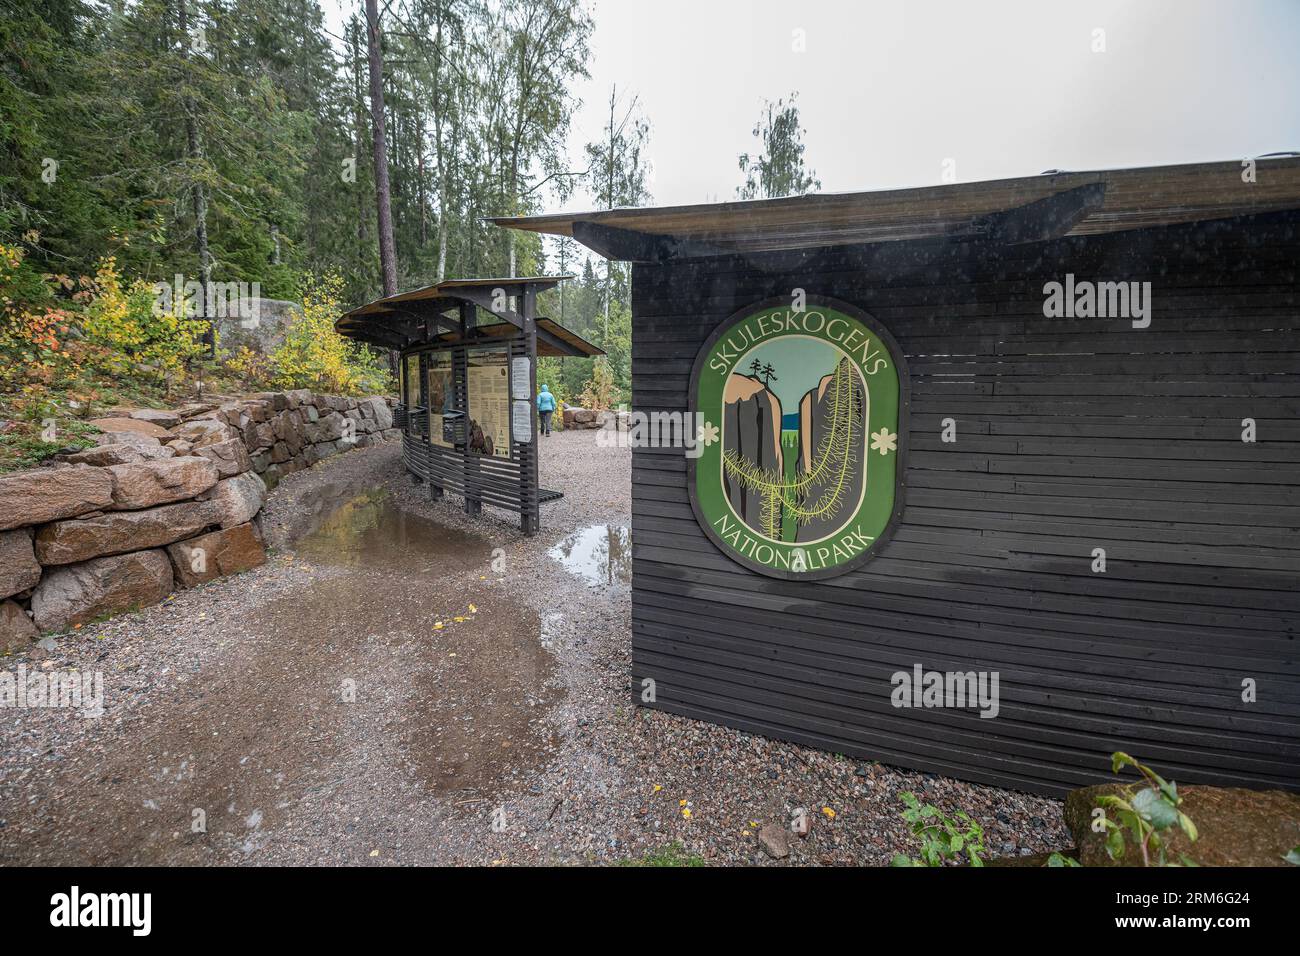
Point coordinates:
[(406, 684)]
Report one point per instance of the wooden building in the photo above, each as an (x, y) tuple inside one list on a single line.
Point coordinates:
[(468, 376), (1091, 485)]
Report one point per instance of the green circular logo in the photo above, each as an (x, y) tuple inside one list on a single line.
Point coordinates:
[(800, 435)]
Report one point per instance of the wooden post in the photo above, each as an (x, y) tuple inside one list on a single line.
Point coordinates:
[(422, 369), (435, 489), (473, 503), (401, 387), (460, 385), (422, 390), (403, 391), (530, 519)]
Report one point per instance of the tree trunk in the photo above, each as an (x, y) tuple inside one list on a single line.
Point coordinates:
[(358, 124), (440, 157), (423, 191), (387, 252), (383, 200), (442, 247), (514, 205), (194, 153), (609, 204)]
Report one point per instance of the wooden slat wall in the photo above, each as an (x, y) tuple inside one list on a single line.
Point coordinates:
[(485, 478), (1072, 434)]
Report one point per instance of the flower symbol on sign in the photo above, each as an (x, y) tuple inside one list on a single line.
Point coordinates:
[(884, 441), (707, 434)]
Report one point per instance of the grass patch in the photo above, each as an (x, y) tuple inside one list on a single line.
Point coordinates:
[(67, 405), (671, 855), (22, 445)]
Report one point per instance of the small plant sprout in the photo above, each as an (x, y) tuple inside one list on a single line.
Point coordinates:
[(1143, 815), (942, 838)]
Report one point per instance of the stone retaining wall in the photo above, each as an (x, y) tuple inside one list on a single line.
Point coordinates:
[(166, 499)]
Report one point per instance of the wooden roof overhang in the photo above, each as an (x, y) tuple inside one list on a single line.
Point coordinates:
[(445, 314), (1028, 209)]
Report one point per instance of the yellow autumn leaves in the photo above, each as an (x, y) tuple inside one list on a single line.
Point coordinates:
[(313, 355), (457, 619), (686, 809)]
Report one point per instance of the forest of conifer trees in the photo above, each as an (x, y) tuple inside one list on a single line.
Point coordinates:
[(233, 140)]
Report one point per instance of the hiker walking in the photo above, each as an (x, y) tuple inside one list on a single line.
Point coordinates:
[(545, 408)]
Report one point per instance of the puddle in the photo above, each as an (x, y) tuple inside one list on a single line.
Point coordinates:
[(369, 529), (479, 714), (479, 683), (334, 690), (600, 554)]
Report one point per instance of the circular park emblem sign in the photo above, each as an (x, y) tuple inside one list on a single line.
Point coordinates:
[(801, 422)]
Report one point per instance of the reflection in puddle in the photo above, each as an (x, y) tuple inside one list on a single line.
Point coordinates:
[(370, 529), (480, 683), (599, 554)]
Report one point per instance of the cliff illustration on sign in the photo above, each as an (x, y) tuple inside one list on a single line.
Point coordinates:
[(794, 476), (831, 434), (751, 430)]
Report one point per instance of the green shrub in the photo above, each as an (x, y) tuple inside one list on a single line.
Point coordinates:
[(315, 356), (942, 838), (1143, 815)]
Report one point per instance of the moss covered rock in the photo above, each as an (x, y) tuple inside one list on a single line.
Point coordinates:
[(1236, 827)]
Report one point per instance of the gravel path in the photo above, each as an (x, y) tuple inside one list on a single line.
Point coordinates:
[(313, 711)]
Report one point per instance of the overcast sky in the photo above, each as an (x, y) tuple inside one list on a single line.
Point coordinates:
[(889, 89)]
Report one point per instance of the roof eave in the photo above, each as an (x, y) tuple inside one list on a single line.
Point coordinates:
[(1136, 197)]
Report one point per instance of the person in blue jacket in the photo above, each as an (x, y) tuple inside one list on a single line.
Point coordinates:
[(545, 408)]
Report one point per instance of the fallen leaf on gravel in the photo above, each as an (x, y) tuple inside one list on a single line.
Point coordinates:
[(830, 814), (374, 853)]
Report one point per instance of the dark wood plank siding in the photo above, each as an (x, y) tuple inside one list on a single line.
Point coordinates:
[(1073, 434)]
